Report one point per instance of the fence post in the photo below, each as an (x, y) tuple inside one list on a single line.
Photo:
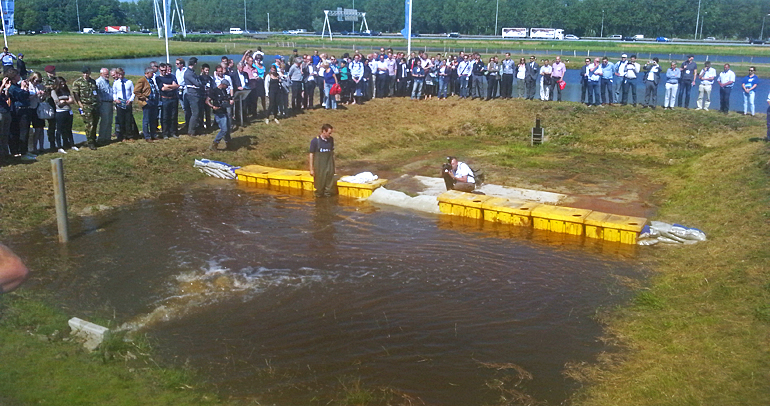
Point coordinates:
[(60, 197)]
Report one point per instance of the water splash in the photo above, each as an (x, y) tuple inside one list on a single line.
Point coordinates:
[(213, 283)]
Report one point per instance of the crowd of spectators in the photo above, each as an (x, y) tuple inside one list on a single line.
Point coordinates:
[(239, 91)]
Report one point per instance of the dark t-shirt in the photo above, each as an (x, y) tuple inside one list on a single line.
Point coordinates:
[(166, 80), (318, 144), (220, 98)]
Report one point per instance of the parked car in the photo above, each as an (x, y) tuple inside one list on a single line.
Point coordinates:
[(663, 39), (756, 41), (453, 35), (629, 38), (710, 39), (616, 36), (370, 33), (571, 37)]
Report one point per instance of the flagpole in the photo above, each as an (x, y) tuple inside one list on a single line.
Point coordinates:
[(2, 15), (409, 32), (165, 27)]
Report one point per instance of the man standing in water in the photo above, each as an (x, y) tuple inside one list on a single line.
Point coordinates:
[(321, 161)]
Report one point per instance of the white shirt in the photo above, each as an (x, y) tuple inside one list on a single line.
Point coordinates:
[(726, 77), (117, 90), (545, 70), (218, 80), (651, 73), (104, 88), (464, 68), (621, 68), (382, 67), (464, 170), (632, 68), (597, 73), (357, 69), (521, 72), (708, 76), (180, 77)]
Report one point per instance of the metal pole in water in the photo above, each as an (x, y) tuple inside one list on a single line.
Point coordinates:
[(60, 197)]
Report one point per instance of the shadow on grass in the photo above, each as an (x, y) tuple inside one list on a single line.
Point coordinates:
[(248, 142)]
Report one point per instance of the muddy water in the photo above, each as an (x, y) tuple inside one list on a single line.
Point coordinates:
[(282, 297)]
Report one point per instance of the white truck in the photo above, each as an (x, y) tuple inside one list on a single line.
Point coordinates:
[(236, 31), (514, 33), (116, 28), (546, 33)]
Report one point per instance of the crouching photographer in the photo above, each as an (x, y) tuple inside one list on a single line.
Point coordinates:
[(458, 175)]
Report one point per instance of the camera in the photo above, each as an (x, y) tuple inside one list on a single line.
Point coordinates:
[(447, 166)]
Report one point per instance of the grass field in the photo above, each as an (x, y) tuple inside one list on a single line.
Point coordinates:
[(695, 334), (43, 49)]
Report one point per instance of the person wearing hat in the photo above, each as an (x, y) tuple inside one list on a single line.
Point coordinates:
[(220, 101), (21, 66), (50, 80), (86, 94), (620, 72)]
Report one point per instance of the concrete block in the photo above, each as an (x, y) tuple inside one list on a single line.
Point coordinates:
[(91, 334)]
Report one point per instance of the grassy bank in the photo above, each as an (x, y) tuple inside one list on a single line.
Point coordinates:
[(45, 367), (696, 334), (486, 46), (53, 48)]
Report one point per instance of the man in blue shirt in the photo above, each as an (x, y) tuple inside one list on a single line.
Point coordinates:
[(7, 59), (608, 72)]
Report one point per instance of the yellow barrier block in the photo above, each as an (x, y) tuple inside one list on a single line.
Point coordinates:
[(288, 178), (507, 211), (559, 219), (359, 190), (255, 175), (612, 227), (462, 204)]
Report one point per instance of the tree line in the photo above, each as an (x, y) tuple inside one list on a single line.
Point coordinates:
[(671, 18)]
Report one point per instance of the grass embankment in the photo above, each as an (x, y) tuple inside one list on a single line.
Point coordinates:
[(44, 367), (479, 45), (697, 334), (53, 48)]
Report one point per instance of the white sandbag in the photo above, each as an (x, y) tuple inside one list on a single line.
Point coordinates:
[(428, 204)]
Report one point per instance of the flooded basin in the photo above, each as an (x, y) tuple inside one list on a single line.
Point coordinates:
[(286, 298)]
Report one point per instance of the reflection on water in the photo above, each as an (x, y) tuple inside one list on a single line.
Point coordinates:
[(279, 297)]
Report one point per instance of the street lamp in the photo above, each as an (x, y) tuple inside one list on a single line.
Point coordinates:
[(697, 21), (497, 9), (601, 35), (762, 32), (702, 20)]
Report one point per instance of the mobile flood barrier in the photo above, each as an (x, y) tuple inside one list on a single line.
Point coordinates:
[(557, 219), (299, 182)]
